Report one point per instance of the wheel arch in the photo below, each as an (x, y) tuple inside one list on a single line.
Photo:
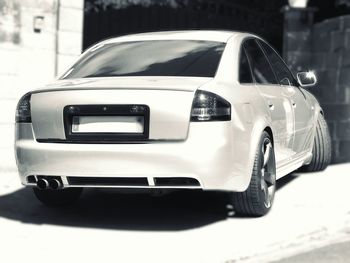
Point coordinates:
[(260, 126)]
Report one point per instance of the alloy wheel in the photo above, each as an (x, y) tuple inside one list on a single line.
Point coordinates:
[(268, 175)]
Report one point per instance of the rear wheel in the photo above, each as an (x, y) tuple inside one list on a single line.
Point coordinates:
[(61, 197), (321, 151), (258, 198)]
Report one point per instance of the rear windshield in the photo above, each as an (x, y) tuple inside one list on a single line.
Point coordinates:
[(150, 58)]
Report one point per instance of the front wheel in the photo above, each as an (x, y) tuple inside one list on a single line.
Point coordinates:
[(61, 197), (258, 198)]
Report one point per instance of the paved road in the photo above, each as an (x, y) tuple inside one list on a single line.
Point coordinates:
[(310, 211), (339, 253)]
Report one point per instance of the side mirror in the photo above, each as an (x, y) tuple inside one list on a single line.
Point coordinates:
[(306, 79)]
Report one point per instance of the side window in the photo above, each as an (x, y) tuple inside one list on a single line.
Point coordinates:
[(283, 74), (261, 68), (245, 75)]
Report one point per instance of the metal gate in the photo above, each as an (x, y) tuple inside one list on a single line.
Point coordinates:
[(107, 18)]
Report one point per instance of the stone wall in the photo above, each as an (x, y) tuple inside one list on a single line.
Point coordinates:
[(325, 48)]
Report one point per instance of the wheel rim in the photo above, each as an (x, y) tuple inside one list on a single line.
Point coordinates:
[(268, 175)]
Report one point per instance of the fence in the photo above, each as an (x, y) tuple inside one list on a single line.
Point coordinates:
[(261, 17)]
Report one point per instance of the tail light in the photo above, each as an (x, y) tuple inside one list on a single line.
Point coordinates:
[(23, 109), (208, 106)]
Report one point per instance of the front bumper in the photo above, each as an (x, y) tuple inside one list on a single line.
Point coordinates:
[(209, 155)]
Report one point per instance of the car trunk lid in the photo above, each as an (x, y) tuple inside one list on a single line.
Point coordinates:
[(114, 109)]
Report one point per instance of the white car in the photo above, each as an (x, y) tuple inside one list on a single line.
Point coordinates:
[(210, 110)]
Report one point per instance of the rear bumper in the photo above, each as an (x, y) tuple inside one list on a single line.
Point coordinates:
[(208, 155)]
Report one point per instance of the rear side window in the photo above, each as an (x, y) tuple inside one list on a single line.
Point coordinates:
[(261, 68), (283, 74), (245, 74)]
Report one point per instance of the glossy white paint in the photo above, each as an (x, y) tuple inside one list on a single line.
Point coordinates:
[(219, 155), (169, 109)]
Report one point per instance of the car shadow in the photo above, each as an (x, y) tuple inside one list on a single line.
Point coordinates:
[(285, 180), (108, 209)]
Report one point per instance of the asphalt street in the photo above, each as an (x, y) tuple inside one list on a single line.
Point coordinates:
[(311, 212)]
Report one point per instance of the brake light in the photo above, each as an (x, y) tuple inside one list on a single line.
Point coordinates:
[(208, 106), (23, 109)]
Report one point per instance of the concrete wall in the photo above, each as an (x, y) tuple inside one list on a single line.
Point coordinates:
[(70, 32), (325, 48)]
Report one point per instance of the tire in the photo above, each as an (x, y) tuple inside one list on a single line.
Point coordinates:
[(257, 200), (322, 150), (62, 197)]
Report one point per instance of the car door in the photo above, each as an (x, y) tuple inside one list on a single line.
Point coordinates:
[(277, 103), (302, 111)]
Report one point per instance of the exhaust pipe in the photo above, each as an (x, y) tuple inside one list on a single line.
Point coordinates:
[(55, 184), (42, 184)]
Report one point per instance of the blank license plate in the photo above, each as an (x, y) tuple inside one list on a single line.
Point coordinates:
[(107, 124)]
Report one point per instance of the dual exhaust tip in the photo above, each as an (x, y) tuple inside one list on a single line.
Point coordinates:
[(53, 184)]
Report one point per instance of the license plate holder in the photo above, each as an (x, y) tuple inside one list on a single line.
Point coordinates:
[(106, 122)]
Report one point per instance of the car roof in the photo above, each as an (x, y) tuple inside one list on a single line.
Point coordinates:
[(205, 35)]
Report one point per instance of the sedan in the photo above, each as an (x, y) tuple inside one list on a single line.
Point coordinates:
[(164, 111)]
